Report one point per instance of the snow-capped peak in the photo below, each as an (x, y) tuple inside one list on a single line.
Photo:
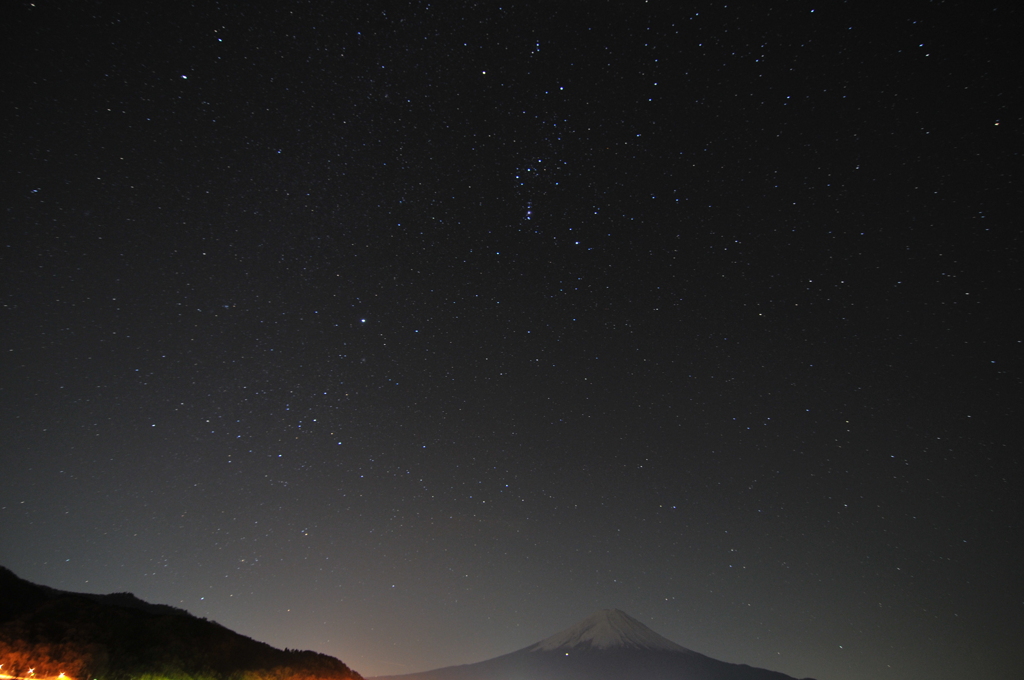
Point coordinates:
[(607, 629)]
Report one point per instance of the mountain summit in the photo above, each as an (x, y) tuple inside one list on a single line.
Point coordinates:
[(607, 629), (608, 645)]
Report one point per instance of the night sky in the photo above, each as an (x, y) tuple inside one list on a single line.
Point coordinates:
[(414, 332)]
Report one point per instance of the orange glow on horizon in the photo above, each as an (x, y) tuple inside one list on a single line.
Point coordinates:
[(32, 676)]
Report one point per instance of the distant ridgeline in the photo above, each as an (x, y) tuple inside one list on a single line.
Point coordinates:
[(47, 633), (609, 645)]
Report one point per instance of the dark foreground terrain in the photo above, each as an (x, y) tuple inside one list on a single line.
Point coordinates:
[(118, 636)]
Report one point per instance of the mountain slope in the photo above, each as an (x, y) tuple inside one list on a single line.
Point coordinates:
[(115, 637), (609, 645), (607, 629)]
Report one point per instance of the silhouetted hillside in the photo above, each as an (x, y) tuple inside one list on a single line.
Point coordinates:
[(116, 637), (127, 600)]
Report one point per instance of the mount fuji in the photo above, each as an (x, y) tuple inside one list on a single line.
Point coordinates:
[(608, 645)]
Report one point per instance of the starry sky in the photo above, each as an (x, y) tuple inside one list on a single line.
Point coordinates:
[(414, 332)]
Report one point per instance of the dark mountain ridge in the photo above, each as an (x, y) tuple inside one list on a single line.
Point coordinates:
[(119, 636), (126, 600), (609, 645)]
